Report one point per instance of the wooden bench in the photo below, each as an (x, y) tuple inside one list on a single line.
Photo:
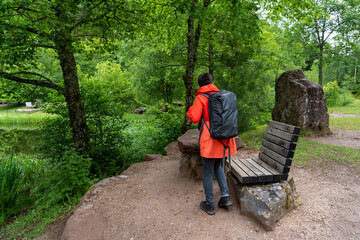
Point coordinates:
[(275, 157)]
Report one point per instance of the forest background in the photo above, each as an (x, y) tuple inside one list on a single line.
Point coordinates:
[(89, 64)]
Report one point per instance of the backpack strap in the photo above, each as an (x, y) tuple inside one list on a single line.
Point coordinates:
[(226, 147), (202, 119)]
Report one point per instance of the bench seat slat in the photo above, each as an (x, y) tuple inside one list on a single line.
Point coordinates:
[(278, 149), (268, 175), (275, 156), (243, 167), (238, 172), (275, 173), (281, 134), (260, 175), (273, 163), (284, 127), (279, 141)]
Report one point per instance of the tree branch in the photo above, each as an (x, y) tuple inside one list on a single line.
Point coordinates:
[(42, 83)]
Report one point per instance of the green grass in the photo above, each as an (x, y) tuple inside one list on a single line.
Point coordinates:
[(347, 123), (353, 108), (308, 150), (252, 139), (9, 115)]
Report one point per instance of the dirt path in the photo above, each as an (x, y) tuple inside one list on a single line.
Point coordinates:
[(154, 202), (340, 137)]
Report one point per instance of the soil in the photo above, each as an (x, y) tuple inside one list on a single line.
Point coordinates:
[(340, 137), (151, 201)]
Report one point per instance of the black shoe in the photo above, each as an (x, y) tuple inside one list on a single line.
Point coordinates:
[(224, 202), (208, 208)]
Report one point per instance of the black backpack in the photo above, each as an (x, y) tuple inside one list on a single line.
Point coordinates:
[(223, 116)]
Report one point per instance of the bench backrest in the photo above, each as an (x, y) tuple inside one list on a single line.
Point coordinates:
[(278, 145), (28, 104)]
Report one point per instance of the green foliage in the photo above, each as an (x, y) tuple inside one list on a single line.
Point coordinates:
[(18, 176), (107, 90), (152, 131), (11, 177), (157, 75), (334, 96), (107, 142), (14, 141), (169, 122), (66, 178)]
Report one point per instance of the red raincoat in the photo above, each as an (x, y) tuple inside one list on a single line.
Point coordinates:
[(209, 147)]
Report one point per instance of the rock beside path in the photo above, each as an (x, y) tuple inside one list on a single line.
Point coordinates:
[(266, 203), (86, 223), (300, 102)]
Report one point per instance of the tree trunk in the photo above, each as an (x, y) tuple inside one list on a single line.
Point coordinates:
[(321, 65), (193, 38), (355, 70), (211, 60), (188, 77), (72, 92)]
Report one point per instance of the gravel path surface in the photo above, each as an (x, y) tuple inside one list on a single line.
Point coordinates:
[(154, 202)]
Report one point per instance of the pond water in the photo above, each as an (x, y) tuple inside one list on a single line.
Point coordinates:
[(18, 138)]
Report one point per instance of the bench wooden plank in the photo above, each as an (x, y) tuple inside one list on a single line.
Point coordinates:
[(252, 175), (274, 172), (284, 127), (273, 163), (268, 175), (260, 175), (277, 157), (280, 150), (284, 177), (238, 172), (280, 141), (281, 134)]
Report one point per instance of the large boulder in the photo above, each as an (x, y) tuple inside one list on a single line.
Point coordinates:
[(300, 102), (264, 203)]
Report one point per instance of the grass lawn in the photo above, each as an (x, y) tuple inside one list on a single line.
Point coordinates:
[(353, 108), (9, 115), (347, 123)]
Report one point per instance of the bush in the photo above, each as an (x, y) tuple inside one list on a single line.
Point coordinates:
[(107, 142), (18, 176), (335, 96), (151, 132), (66, 178)]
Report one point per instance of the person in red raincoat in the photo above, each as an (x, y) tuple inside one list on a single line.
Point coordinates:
[(211, 150)]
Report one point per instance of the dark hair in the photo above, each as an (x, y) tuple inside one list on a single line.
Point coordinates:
[(205, 79)]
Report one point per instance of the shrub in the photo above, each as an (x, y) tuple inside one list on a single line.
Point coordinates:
[(66, 178), (106, 144), (335, 96), (18, 176)]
